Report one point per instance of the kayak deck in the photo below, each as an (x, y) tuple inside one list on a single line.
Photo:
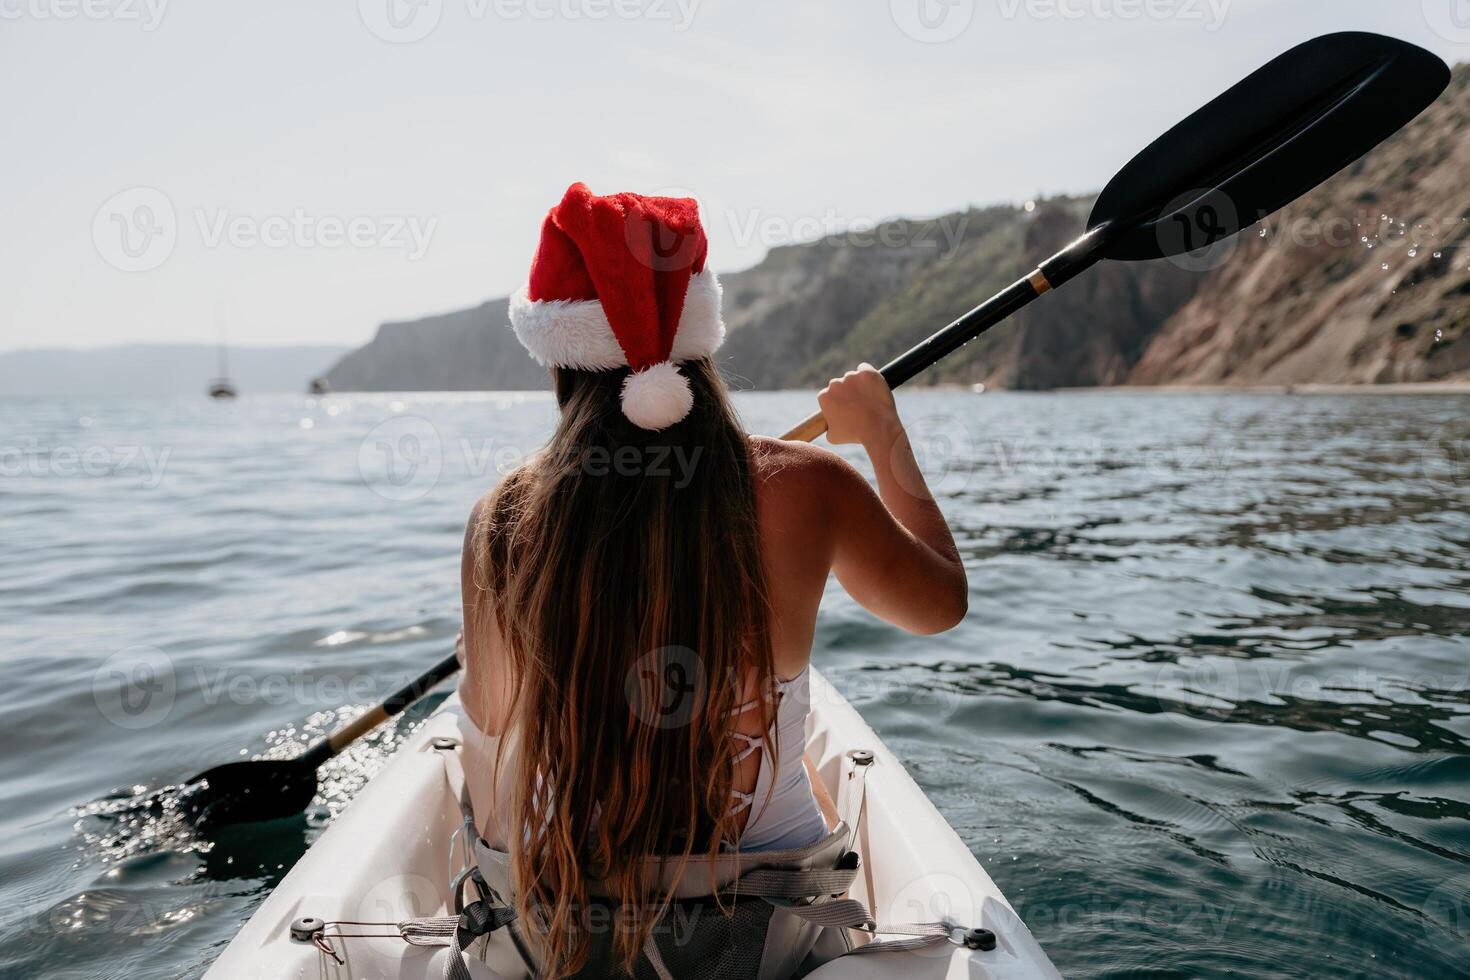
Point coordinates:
[(388, 857)]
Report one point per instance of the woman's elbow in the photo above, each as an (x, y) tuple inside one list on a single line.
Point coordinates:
[(946, 610)]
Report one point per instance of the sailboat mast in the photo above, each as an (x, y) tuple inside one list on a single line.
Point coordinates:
[(219, 334)]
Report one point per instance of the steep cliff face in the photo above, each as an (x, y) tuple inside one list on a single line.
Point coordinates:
[(1365, 280), (466, 350), (847, 298)]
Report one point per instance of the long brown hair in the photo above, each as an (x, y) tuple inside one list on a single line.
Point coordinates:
[(623, 569)]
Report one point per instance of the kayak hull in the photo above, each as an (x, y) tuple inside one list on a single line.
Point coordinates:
[(387, 857)]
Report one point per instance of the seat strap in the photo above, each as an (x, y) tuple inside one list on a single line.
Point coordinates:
[(847, 913), (780, 883), (655, 958), (787, 890), (855, 794), (457, 932)]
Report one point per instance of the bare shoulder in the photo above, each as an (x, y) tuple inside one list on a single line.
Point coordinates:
[(479, 514), (484, 509), (801, 469), (477, 525)]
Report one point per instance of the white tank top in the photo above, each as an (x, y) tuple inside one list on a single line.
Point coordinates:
[(785, 813)]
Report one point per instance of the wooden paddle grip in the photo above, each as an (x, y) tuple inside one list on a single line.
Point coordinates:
[(357, 727), (808, 429)]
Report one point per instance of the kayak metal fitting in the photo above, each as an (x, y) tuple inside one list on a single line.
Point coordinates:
[(443, 743), (310, 929), (982, 939), (861, 757)]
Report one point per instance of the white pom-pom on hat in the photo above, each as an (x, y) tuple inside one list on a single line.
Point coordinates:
[(657, 397)]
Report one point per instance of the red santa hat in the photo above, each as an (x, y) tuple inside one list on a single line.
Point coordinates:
[(620, 281)]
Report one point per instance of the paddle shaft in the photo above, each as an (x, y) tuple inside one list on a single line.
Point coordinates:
[(334, 743), (1076, 258)]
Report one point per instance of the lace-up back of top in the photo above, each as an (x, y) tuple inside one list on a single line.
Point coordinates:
[(784, 812)]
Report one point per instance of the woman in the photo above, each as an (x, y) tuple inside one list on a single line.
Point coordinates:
[(640, 597)]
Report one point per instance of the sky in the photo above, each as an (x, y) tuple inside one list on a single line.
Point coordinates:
[(297, 171)]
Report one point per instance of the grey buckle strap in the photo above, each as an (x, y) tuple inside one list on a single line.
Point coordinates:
[(656, 959), (778, 883), (782, 888), (847, 913), (923, 936), (855, 792), (457, 932), (843, 913)]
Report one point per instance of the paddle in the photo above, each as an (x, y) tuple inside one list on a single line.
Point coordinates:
[(1255, 149), (266, 789)]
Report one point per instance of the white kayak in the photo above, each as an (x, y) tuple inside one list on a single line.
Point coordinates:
[(389, 857)]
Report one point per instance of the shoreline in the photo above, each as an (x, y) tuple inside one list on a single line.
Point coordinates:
[(1313, 388), (1308, 388)]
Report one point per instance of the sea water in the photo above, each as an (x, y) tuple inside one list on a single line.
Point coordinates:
[(1208, 714)]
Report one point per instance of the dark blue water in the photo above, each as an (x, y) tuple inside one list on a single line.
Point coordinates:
[(1208, 715)]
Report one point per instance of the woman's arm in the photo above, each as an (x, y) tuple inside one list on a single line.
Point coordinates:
[(892, 551)]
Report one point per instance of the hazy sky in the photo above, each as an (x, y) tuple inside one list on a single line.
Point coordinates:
[(303, 170)]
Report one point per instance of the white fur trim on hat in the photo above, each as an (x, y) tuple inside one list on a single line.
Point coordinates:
[(657, 397), (576, 334)]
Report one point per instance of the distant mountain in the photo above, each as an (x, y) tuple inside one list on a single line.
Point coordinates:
[(159, 369), (467, 350), (1309, 302)]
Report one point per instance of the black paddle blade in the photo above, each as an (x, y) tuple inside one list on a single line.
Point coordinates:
[(1266, 142), (243, 792)]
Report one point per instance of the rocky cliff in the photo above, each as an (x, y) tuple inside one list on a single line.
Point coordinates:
[(467, 350), (1365, 280)]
